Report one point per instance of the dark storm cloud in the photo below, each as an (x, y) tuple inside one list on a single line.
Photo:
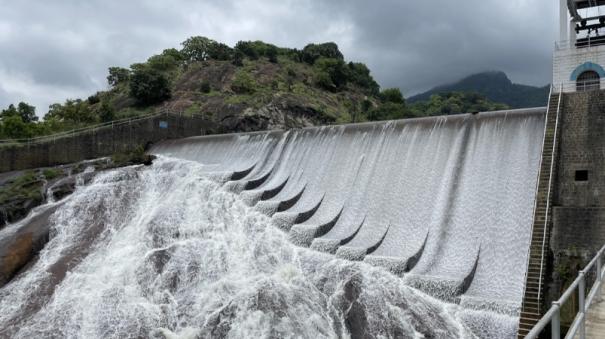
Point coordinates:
[(53, 50)]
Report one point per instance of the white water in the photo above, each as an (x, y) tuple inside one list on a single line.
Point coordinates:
[(170, 251)]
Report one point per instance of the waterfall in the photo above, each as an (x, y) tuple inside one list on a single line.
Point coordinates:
[(397, 229)]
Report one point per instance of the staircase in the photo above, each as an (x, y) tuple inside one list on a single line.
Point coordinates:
[(531, 310)]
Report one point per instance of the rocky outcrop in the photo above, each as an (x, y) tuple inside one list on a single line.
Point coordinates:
[(19, 247)]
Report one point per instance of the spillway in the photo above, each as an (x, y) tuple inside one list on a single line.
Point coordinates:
[(393, 229)]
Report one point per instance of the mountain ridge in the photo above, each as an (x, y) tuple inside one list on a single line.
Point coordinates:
[(494, 85)]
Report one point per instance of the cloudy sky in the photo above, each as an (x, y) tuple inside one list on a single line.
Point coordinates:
[(54, 50)]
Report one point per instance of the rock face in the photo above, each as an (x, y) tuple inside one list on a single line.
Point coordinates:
[(20, 247)]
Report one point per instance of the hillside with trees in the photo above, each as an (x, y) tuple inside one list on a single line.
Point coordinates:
[(251, 86), (495, 86)]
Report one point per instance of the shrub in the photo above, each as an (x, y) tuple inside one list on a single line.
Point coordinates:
[(51, 173), (243, 83), (205, 87), (388, 111)]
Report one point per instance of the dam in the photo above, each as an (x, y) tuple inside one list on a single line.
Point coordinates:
[(399, 228), (440, 201)]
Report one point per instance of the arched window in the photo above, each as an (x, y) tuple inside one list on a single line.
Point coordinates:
[(588, 81)]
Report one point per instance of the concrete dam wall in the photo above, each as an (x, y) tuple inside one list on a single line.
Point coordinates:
[(446, 203), (328, 232), (100, 142)]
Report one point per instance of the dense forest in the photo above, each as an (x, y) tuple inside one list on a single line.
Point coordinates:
[(253, 85)]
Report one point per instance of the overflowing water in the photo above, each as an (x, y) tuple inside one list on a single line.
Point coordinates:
[(405, 229)]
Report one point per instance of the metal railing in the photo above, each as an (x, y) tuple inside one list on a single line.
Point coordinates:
[(578, 326), (569, 44), (586, 86), (78, 131), (550, 174), (538, 180), (88, 129)]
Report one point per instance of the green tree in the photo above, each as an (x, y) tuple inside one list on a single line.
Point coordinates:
[(25, 112), (272, 54), (331, 74), (148, 85), (219, 51), (174, 54), (388, 111), (15, 128), (199, 48), (117, 75), (238, 58), (162, 62), (106, 112), (359, 74), (76, 111), (248, 49), (455, 103), (392, 95), (312, 52), (10, 111)]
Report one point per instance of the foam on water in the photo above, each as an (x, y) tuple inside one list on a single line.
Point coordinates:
[(170, 254), (428, 222)]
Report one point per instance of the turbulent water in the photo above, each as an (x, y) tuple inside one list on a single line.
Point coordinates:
[(399, 230)]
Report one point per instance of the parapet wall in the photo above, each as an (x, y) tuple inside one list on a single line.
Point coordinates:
[(102, 141), (578, 215)]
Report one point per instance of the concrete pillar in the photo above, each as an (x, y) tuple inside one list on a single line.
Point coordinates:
[(563, 36), (572, 34)]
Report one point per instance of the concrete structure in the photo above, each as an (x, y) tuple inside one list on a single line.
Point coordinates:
[(595, 318), (103, 141), (569, 218), (580, 52)]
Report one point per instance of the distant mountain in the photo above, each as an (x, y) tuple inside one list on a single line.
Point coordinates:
[(497, 87)]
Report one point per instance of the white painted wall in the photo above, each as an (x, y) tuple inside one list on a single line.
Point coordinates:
[(567, 59)]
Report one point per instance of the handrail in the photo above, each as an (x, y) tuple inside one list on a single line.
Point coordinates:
[(83, 130), (587, 85), (79, 130), (579, 323), (552, 164), (538, 181)]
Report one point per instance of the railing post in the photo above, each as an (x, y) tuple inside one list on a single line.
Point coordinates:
[(582, 304), (599, 275), (555, 323)]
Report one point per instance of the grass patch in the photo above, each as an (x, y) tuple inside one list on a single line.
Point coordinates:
[(25, 186), (51, 173)]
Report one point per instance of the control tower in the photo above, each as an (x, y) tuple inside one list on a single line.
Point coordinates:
[(579, 57)]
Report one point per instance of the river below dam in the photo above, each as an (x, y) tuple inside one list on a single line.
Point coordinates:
[(416, 229)]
